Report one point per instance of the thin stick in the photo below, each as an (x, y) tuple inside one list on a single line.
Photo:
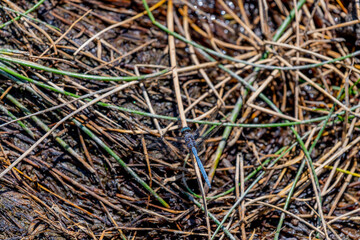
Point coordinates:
[(172, 51), (65, 33)]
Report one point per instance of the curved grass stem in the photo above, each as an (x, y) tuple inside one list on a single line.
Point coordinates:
[(25, 13), (158, 116), (80, 75)]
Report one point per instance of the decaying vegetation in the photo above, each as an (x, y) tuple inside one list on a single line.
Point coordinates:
[(93, 95)]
